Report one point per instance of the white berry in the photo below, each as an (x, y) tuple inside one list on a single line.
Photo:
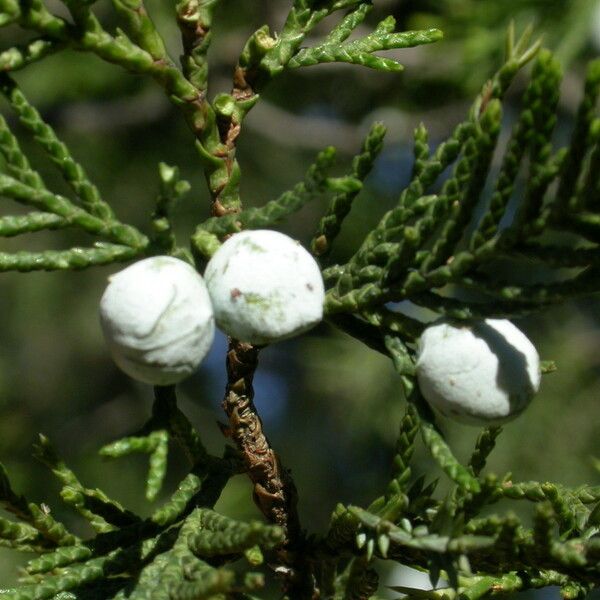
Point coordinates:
[(157, 319), (482, 373), (264, 287)]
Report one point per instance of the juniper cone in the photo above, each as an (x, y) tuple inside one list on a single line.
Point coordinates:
[(480, 373), (157, 319), (264, 287), (468, 203)]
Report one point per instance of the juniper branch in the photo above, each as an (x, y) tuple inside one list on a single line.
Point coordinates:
[(395, 500), (485, 444), (274, 491), (418, 248), (361, 51), (34, 221), (273, 211), (71, 171), (580, 138), (59, 205), (53, 532), (19, 57), (60, 260), (76, 495), (195, 20), (17, 165), (142, 28), (340, 205)]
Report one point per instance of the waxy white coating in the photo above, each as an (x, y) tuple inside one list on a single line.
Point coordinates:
[(264, 287), (157, 319), (480, 373)]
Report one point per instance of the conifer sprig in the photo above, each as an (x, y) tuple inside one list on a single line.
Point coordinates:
[(178, 538), (72, 172), (361, 51), (87, 211), (438, 234), (377, 273)]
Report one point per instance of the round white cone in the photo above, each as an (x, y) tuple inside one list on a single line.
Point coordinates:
[(483, 373), (264, 287), (157, 319)]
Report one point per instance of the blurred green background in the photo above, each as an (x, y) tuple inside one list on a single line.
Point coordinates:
[(330, 406)]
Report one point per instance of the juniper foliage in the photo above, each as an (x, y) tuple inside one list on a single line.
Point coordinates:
[(435, 248)]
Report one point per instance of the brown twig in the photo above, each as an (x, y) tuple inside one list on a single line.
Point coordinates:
[(274, 489), (229, 131)]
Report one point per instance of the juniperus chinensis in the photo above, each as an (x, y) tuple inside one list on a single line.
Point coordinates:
[(470, 201)]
